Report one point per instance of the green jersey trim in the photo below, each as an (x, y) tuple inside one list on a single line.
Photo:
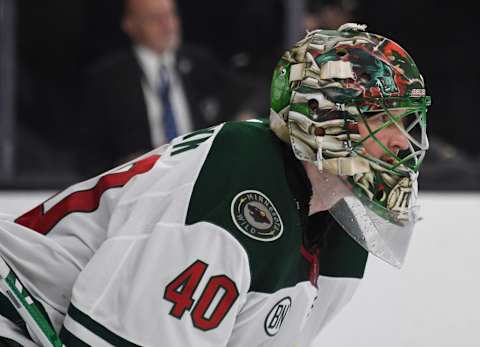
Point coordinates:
[(71, 340), (96, 328)]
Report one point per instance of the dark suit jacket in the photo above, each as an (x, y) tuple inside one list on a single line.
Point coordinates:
[(115, 123)]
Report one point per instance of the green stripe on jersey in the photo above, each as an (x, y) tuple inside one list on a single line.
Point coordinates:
[(94, 327), (71, 340)]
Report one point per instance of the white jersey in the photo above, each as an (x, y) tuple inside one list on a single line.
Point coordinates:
[(199, 243)]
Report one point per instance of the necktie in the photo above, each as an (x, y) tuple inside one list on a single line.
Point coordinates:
[(168, 116)]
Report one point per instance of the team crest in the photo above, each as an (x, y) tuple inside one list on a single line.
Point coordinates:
[(255, 216)]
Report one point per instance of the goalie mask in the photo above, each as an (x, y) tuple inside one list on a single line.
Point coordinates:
[(354, 104)]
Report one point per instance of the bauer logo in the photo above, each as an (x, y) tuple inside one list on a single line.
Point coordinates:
[(276, 316), (417, 93), (255, 216)]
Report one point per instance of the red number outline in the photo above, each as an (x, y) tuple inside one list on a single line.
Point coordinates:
[(181, 289), (188, 282), (223, 306)]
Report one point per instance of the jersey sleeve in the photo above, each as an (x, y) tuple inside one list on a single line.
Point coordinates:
[(42, 265), (49, 245), (178, 286)]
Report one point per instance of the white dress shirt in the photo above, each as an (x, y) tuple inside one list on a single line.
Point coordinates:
[(150, 63)]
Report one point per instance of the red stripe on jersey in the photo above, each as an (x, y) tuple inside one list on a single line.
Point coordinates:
[(312, 258), (83, 200)]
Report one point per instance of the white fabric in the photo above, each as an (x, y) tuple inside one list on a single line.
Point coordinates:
[(135, 243), (126, 280), (150, 63)]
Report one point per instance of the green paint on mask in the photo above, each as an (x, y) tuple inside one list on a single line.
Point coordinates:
[(281, 92)]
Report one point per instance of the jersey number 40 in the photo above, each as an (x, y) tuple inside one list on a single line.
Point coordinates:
[(205, 315)]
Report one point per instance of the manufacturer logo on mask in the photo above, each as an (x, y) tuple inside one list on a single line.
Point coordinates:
[(417, 93), (255, 216)]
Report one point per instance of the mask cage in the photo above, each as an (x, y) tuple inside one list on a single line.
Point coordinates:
[(411, 122)]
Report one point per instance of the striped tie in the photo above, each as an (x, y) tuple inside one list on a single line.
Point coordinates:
[(168, 116)]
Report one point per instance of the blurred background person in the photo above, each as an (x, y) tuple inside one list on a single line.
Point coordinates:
[(55, 42), (156, 89)]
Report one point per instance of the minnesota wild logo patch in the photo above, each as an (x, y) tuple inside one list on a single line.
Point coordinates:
[(255, 216)]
